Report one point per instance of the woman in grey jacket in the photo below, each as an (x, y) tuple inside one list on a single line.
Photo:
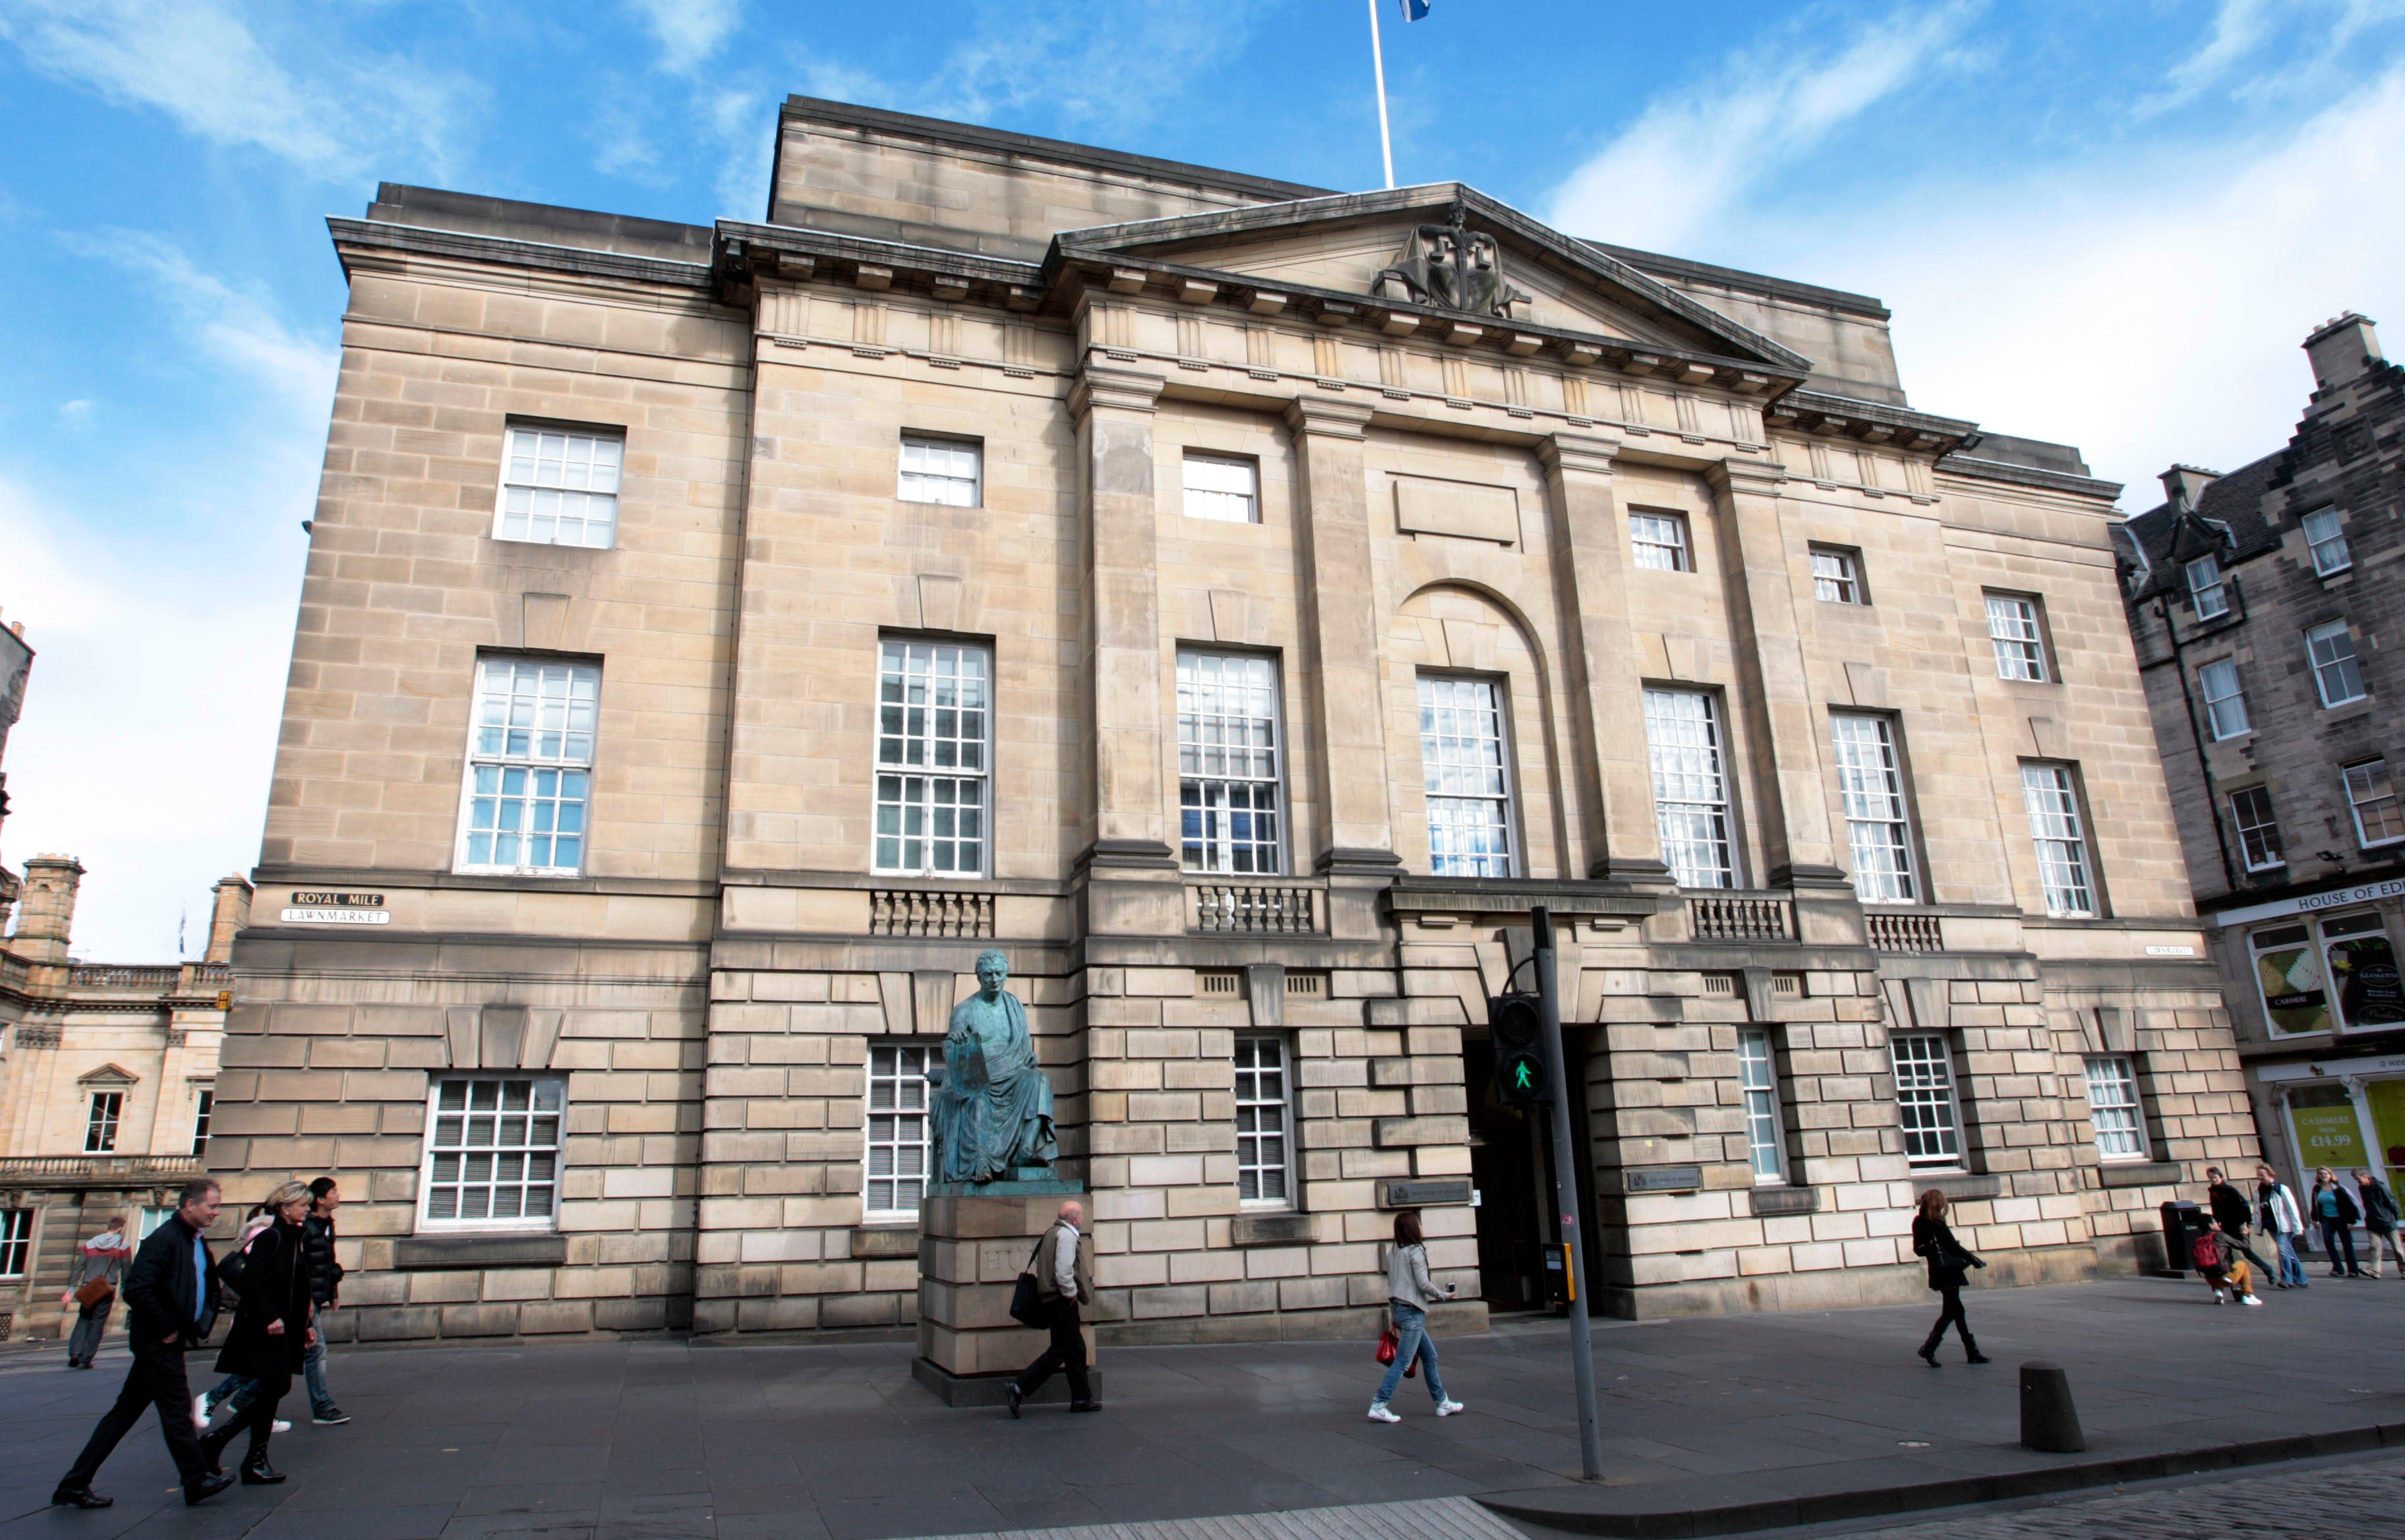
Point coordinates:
[(1410, 1291)]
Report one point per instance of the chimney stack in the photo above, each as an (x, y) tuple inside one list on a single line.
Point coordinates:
[(2341, 349), (44, 923), (230, 913), (2183, 486)]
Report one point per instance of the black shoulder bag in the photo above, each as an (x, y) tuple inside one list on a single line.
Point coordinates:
[(1027, 1299)]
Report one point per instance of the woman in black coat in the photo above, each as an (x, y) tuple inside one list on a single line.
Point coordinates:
[(272, 1331), (1948, 1265)]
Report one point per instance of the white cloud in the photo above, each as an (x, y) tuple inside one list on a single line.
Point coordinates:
[(77, 411), (2147, 306), (2239, 27), (1692, 154), (744, 125), (236, 329), (689, 31), (201, 63)]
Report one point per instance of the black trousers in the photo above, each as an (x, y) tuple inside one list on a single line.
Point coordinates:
[(257, 1415), (1066, 1354), (1951, 1316), (156, 1380)]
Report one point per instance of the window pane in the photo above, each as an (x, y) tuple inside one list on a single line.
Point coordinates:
[(1690, 792), (2205, 590), (1221, 487), (940, 470), (2324, 538), (935, 713), (1871, 786), (1758, 1076), (2225, 704), (495, 1162), (2374, 798), (2336, 673), (900, 1145), (1263, 1175), (2062, 848), (559, 488), (1465, 779), (1660, 540), (2112, 1107), (532, 720), (1227, 763), (1924, 1094), (2259, 830), (2013, 628), (1834, 580)]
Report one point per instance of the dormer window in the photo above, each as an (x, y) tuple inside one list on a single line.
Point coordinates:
[(2206, 591)]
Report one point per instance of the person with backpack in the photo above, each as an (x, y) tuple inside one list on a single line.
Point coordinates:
[(2229, 1206), (1410, 1291), (91, 1288), (2282, 1222), (2379, 1218), (2336, 1213), (1950, 1265), (2222, 1266)]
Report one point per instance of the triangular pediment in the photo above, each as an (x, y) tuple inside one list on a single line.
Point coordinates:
[(109, 1077), (1344, 242)]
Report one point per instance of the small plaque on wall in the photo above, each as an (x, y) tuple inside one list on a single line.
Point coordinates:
[(1665, 1179), (1423, 1194)]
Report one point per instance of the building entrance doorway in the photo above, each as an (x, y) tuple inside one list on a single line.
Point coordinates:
[(1507, 1165)]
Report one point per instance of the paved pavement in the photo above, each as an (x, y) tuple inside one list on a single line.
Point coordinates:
[(615, 1441)]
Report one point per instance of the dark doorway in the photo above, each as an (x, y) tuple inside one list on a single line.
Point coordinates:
[(1507, 1167)]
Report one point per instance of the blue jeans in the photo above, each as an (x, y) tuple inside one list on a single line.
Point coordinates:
[(2337, 1238), (237, 1390), (1411, 1326), (2292, 1270)]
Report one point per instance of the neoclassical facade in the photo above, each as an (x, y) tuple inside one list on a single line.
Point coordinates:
[(1241, 604)]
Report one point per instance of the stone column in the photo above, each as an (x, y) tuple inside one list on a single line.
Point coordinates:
[(48, 919), (1785, 729), (1130, 819), (1615, 783), (1345, 685)]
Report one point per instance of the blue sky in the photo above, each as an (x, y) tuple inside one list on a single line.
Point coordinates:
[(2105, 223)]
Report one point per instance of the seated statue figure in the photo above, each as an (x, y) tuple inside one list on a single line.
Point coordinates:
[(992, 1110)]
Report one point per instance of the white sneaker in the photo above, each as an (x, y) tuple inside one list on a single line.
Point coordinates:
[(280, 1425), (1378, 1413), (2249, 1299), (201, 1411), (1447, 1409), (2218, 1299)]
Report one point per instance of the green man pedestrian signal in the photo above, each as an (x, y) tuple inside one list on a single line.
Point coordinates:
[(1516, 1028)]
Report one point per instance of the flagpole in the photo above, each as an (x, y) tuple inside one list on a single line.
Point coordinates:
[(1378, 62)]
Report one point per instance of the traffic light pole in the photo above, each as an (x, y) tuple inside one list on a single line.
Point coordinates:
[(1566, 1201)]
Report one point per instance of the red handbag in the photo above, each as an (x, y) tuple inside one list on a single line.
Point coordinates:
[(1388, 1345)]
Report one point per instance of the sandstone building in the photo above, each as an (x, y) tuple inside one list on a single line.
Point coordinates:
[(2258, 600), (1239, 603)]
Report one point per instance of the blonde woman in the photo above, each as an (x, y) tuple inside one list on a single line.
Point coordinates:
[(1948, 1265), (271, 1330)]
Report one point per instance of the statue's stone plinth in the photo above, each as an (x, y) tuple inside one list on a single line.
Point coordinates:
[(974, 1242)]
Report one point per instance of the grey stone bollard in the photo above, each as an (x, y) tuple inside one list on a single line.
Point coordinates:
[(2049, 1422)]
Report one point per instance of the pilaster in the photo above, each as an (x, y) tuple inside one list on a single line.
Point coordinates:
[(1341, 637), (1786, 735), (1623, 838), (1114, 412)]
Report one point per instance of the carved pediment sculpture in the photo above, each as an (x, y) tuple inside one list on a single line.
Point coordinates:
[(1451, 266)]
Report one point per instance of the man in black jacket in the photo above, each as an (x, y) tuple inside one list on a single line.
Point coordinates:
[(2229, 1206), (171, 1294), (325, 1287)]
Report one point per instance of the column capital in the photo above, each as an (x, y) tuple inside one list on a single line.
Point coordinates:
[(1125, 389), (1739, 477), (1585, 452), (1318, 414)]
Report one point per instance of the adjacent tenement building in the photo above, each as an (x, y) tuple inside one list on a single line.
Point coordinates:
[(1241, 604), (2261, 601)]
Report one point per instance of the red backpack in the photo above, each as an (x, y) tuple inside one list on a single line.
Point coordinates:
[(2206, 1250)]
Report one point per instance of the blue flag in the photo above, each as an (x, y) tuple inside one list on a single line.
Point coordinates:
[(1415, 10)]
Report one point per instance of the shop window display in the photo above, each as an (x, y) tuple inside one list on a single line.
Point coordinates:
[(2288, 971), (2363, 971)]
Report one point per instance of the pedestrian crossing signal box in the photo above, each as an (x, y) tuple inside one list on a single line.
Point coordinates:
[(1515, 1026)]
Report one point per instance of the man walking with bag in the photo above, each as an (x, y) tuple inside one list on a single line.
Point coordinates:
[(91, 1288), (171, 1295), (1064, 1278)]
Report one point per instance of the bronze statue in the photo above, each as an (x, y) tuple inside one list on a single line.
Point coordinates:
[(1453, 266), (991, 1110)]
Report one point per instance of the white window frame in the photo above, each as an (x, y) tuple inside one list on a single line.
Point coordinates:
[(2019, 638), (944, 471), (204, 1102), (558, 482), (16, 1242), (1700, 839), (2066, 866), (1231, 763), (2264, 830), (104, 1119), (2208, 592), (2325, 540), (1879, 820), (1237, 500), (1923, 1065), (1843, 582), (1657, 539), (899, 1128), (2114, 1113), (2224, 700), (431, 1153), (1264, 1123), (540, 742), (1465, 775), (1765, 1127), (932, 782), (2363, 782), (2330, 651), (150, 1221)]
